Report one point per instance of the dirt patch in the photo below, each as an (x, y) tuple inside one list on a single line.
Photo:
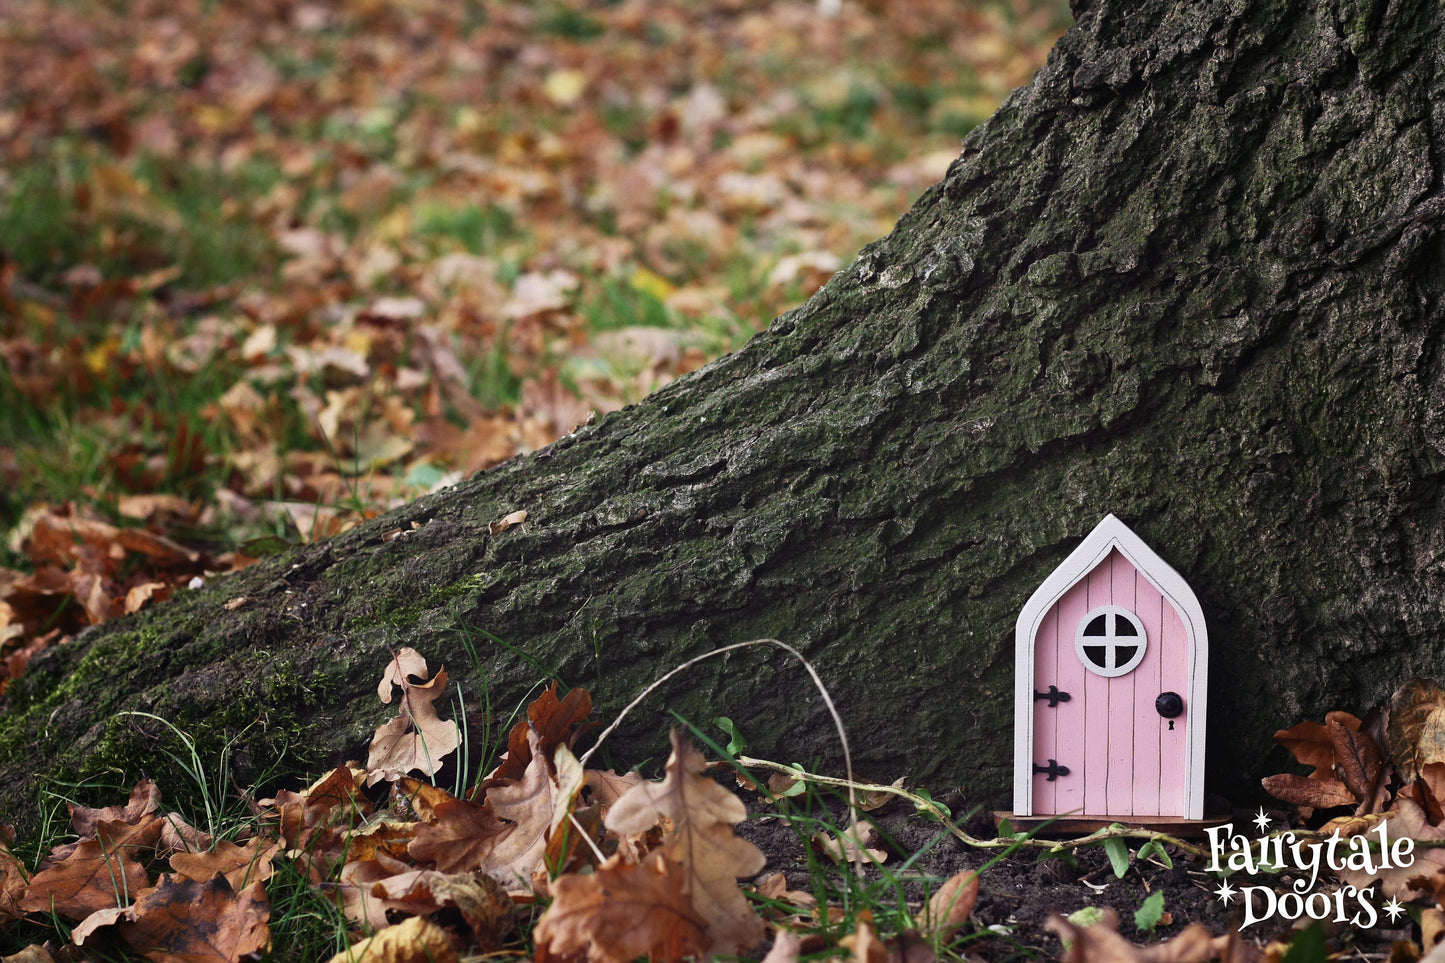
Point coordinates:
[(1018, 893)]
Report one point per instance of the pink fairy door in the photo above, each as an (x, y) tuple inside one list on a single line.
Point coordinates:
[(1111, 678)]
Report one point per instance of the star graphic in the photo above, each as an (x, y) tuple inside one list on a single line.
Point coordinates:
[(1261, 820), (1225, 891), (1394, 909)]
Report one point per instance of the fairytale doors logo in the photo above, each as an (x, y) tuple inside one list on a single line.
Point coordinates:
[(1284, 852)]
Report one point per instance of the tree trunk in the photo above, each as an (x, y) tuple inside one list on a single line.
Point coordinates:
[(1191, 275)]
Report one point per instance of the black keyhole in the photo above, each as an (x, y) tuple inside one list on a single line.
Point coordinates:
[(1171, 725)]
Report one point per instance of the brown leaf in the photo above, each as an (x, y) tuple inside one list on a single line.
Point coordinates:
[(847, 848), (354, 888), (555, 722), (1306, 791), (607, 786), (950, 907), (1311, 745), (1101, 943), (187, 921), (240, 865), (1406, 820), (863, 944), (96, 874), (622, 912), (417, 940), (417, 739), (1359, 764), (1417, 727), (507, 521), (787, 948), (701, 842), (144, 799), (481, 900), (462, 837), (529, 804), (13, 883)]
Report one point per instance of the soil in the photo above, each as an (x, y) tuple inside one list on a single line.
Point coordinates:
[(1019, 893)]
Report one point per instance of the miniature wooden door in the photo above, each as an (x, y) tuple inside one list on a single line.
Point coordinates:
[(1112, 671)]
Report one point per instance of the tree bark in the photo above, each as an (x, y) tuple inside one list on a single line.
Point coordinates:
[(1191, 275)]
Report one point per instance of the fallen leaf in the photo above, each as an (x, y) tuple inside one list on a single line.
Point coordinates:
[(144, 800), (240, 865), (863, 944), (1360, 765), (481, 900), (701, 842), (554, 721), (1407, 820), (507, 521), (417, 739), (528, 805), (1417, 727), (96, 874), (787, 948), (416, 940), (1101, 943), (848, 847), (607, 786), (950, 907), (622, 912), (462, 836), (1307, 791), (188, 921)]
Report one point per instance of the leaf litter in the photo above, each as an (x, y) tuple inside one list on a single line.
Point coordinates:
[(268, 271), (608, 867)]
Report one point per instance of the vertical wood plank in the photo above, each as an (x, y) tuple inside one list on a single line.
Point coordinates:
[(1174, 745), (1096, 708), (1147, 725), (1069, 718), (1046, 673), (1122, 713)]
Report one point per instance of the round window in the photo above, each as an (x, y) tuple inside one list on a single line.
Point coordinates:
[(1110, 641)]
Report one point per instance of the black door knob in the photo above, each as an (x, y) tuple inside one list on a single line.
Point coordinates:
[(1169, 704)]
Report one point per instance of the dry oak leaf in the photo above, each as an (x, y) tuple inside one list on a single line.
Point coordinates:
[(144, 799), (417, 940), (462, 837), (1306, 791), (555, 722), (189, 921), (787, 947), (622, 912), (94, 873), (417, 739), (241, 865), (354, 888), (1311, 745), (1406, 820), (1101, 943), (13, 883), (535, 805), (563, 833), (863, 944), (950, 907), (852, 845), (1417, 727), (607, 787), (701, 842), (481, 900), (31, 954), (775, 888)]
